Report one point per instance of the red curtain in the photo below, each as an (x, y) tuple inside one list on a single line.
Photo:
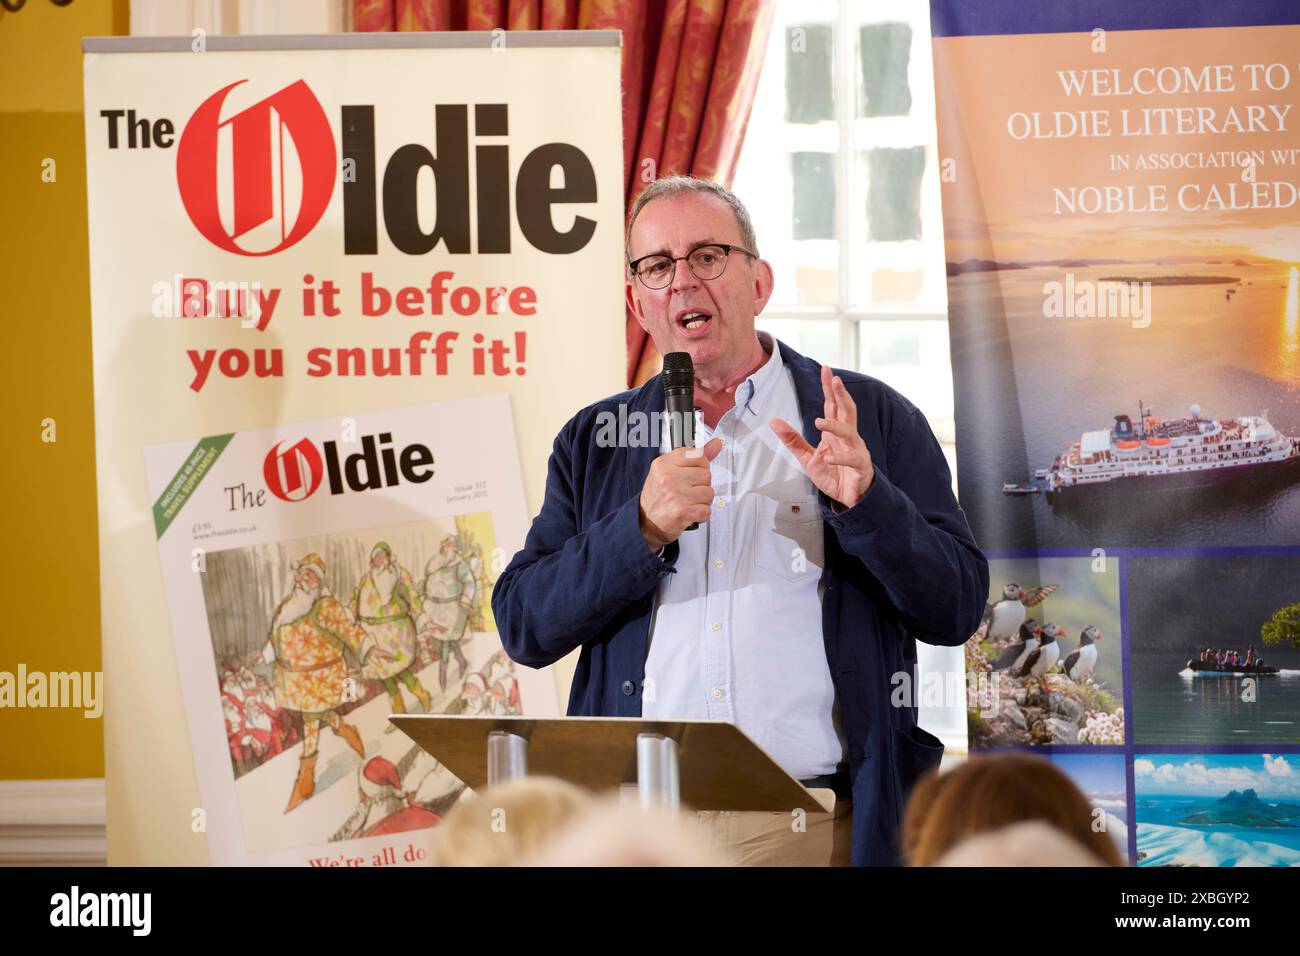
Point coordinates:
[(690, 69)]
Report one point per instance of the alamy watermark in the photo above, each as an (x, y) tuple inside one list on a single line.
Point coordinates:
[(78, 690), (633, 429), (1100, 299)]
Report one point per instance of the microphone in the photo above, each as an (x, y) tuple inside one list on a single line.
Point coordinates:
[(679, 403)]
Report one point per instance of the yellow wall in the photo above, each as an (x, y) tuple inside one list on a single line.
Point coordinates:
[(49, 562)]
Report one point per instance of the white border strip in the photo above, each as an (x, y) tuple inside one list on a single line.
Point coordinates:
[(460, 39), (52, 823)]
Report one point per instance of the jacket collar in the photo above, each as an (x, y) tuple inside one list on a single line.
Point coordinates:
[(808, 390)]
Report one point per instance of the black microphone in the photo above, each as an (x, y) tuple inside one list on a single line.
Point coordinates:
[(679, 403)]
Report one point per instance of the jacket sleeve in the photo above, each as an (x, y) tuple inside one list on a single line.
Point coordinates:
[(567, 584), (911, 534)]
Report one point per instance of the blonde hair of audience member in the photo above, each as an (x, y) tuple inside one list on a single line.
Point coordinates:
[(615, 833), (1022, 844), (984, 794), (505, 823)]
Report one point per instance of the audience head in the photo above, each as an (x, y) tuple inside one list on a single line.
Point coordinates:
[(1022, 844), (614, 833), (988, 794), (505, 823)]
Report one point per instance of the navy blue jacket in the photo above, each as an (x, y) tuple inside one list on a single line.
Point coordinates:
[(899, 565)]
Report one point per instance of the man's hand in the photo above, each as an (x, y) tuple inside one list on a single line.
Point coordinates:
[(678, 490), (840, 466)]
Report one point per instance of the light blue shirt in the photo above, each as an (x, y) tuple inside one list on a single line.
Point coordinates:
[(736, 633)]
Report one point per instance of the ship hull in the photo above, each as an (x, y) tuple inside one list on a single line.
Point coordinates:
[(1264, 474)]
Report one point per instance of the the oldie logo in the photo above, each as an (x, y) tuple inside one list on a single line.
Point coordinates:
[(276, 160), (258, 181), (294, 473)]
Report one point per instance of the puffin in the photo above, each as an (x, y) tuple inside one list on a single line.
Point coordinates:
[(1026, 643), (1081, 662), (1042, 660), (1004, 617)]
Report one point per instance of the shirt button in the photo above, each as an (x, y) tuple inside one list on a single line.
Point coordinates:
[(717, 693), (717, 625), (722, 502), (718, 564), (629, 688)]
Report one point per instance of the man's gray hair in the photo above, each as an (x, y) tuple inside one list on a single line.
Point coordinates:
[(671, 186)]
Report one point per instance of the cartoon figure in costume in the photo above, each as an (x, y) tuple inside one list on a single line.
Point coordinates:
[(390, 610), (450, 594), (309, 633)]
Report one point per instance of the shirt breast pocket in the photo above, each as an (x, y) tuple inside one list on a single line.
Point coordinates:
[(787, 536)]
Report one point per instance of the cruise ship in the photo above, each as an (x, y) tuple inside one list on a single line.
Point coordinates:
[(1167, 453)]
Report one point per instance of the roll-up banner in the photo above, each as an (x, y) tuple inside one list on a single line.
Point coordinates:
[(341, 288), (1121, 206)]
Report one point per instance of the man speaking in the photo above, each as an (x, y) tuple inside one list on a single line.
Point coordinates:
[(776, 575)]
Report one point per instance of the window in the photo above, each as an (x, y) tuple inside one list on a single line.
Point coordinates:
[(840, 172)]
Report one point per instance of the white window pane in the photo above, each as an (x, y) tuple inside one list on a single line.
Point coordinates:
[(884, 50), (786, 175), (894, 193), (809, 72), (913, 356), (897, 227), (942, 713), (816, 338), (813, 214)]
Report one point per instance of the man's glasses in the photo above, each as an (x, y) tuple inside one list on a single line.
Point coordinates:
[(705, 262)]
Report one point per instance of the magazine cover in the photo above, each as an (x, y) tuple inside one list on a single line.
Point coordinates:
[(319, 577)]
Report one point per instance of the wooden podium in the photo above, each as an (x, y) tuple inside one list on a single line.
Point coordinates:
[(704, 764)]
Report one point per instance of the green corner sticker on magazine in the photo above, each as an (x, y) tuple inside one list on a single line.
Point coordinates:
[(197, 464)]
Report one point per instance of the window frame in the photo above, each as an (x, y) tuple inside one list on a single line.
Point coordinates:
[(851, 237)]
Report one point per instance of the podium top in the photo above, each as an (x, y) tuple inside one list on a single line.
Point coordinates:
[(719, 767)]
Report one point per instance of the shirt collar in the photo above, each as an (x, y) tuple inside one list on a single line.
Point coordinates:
[(757, 389)]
